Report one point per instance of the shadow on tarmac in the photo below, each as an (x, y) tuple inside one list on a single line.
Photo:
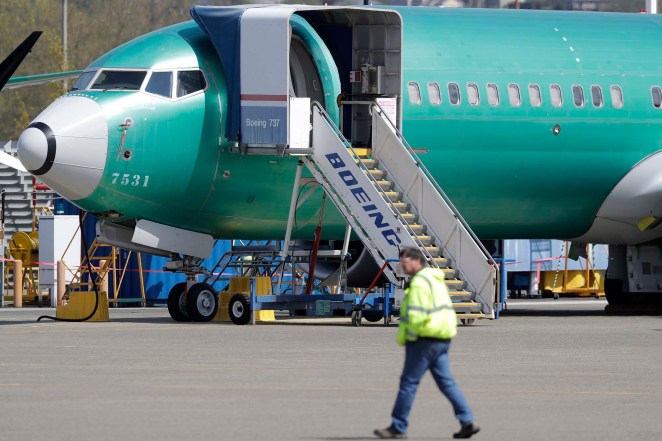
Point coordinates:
[(578, 313)]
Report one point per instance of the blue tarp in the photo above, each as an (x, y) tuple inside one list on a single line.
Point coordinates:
[(222, 27)]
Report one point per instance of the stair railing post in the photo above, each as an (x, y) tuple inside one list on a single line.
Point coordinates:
[(343, 260), (290, 221)]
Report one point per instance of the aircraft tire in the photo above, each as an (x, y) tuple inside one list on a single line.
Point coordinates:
[(239, 309), (176, 307), (373, 315), (202, 302), (614, 292), (357, 317)]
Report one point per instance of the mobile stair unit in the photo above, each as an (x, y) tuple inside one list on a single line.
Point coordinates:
[(391, 201), (284, 97)]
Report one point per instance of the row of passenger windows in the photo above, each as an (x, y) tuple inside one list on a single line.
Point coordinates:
[(158, 83), (515, 95)]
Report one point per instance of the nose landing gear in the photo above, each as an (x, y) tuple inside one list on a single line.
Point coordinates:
[(198, 303)]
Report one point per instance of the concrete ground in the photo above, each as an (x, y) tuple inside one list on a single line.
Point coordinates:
[(547, 370)]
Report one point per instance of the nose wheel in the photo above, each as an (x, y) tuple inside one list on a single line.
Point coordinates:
[(177, 303), (200, 304)]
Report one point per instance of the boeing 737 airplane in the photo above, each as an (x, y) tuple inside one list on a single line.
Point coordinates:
[(536, 124)]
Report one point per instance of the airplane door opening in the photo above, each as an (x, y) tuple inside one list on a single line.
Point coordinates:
[(305, 80)]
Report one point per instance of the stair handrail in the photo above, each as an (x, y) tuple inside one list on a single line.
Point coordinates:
[(361, 165), (428, 175)]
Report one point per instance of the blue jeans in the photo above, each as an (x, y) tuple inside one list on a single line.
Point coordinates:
[(422, 355)]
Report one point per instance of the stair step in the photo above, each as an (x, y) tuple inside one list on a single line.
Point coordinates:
[(418, 228), (434, 251), (424, 239), (454, 283), (402, 207), (467, 305), (441, 261), (409, 217), (392, 195), (460, 295), (450, 273), (384, 184), (368, 162), (377, 173), (362, 151), (470, 315)]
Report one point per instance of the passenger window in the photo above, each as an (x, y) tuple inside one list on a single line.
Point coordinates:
[(190, 81), (414, 93), (534, 95), (472, 92), (616, 97), (578, 95), (596, 96), (514, 95), (160, 83), (434, 94), (557, 96), (454, 93), (492, 94), (657, 96)]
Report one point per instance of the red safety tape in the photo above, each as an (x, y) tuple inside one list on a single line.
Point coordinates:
[(119, 269)]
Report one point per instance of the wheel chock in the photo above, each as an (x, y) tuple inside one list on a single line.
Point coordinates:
[(81, 304)]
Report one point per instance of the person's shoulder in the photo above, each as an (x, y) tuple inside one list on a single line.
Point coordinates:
[(427, 276)]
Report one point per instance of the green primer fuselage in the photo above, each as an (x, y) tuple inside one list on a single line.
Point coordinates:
[(503, 167)]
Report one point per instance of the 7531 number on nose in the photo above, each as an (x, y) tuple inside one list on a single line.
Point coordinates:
[(127, 179)]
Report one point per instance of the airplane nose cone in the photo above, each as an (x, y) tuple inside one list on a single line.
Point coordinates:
[(33, 153), (66, 146)]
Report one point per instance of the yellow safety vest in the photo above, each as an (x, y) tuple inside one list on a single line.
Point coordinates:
[(427, 310)]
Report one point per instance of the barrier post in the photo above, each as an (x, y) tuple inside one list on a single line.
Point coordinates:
[(103, 283), (2, 275), (61, 284), (18, 284)]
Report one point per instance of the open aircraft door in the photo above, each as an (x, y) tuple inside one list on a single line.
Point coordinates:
[(278, 59)]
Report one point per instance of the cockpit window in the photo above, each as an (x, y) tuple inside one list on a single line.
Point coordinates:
[(120, 80), (160, 83), (83, 80), (190, 81)]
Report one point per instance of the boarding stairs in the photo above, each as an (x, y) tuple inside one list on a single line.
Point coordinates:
[(19, 189), (386, 191)]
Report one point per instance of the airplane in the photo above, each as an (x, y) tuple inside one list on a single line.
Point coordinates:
[(536, 124), (8, 68)]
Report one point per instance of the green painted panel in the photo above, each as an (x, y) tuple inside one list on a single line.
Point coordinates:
[(509, 175)]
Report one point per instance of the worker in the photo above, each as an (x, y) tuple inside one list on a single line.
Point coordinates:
[(427, 325)]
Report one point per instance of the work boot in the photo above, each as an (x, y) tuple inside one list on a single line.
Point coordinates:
[(467, 431), (389, 433)]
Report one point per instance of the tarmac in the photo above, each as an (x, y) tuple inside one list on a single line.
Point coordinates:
[(546, 370)]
